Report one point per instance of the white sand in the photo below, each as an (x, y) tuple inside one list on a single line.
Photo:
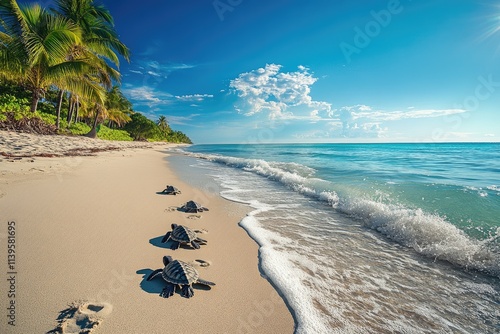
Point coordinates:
[(87, 229)]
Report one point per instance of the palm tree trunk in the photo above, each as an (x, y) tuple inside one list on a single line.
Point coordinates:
[(93, 132), (59, 105), (73, 110), (70, 109), (70, 115), (77, 106), (76, 116), (34, 100)]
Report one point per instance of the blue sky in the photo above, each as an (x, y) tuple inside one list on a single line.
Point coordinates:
[(241, 71)]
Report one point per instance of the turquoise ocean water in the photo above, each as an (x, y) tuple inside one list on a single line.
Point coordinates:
[(369, 238)]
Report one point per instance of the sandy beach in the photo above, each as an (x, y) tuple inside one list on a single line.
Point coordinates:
[(84, 232)]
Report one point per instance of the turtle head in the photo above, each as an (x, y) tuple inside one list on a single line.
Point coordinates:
[(167, 260), (173, 226)]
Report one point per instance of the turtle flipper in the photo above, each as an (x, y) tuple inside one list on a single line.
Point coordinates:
[(168, 291), (202, 281), (195, 244), (166, 237), (167, 260), (153, 274), (187, 291), (175, 245), (201, 240)]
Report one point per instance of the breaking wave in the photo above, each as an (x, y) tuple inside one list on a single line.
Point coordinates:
[(427, 233)]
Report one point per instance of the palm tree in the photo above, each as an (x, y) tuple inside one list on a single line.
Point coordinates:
[(163, 125), (100, 40), (118, 107), (33, 49), (97, 26)]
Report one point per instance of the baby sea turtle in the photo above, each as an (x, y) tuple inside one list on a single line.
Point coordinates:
[(171, 190), (182, 235), (192, 206), (178, 273)]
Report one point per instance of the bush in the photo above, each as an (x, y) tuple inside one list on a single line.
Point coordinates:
[(140, 127), (46, 107), (10, 103), (48, 118), (78, 128), (112, 134)]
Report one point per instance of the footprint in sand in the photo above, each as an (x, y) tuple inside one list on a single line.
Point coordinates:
[(81, 317), (171, 209), (193, 217), (201, 263), (202, 231)]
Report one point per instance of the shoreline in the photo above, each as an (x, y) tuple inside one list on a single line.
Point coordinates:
[(88, 228)]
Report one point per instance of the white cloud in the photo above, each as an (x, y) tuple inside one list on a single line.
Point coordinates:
[(363, 121), (166, 67), (411, 114), (182, 120), (154, 98), (194, 97), (147, 96), (314, 134), (357, 107), (154, 74), (158, 69), (269, 90), (348, 128)]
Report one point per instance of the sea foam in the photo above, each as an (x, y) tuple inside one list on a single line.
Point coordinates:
[(276, 266), (427, 233)]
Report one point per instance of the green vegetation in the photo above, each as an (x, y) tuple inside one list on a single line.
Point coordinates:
[(10, 103), (58, 74)]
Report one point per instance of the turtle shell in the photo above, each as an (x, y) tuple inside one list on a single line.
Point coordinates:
[(172, 189), (193, 205), (179, 272), (183, 234)]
